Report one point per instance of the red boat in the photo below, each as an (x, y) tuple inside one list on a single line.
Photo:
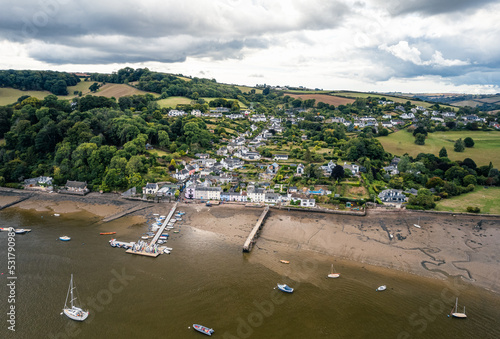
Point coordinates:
[(203, 329), (107, 233)]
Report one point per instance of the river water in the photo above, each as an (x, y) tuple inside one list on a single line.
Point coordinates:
[(210, 282)]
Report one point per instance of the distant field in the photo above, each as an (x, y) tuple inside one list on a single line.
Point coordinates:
[(183, 78), (172, 102), (327, 99), (298, 91), (487, 199), (246, 89), (119, 90), (207, 99), (391, 98), (486, 148), (10, 95)]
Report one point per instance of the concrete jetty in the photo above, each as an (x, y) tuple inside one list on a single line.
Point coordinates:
[(157, 235), (16, 202), (123, 213), (247, 247)]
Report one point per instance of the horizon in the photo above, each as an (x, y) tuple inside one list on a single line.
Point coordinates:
[(366, 46)]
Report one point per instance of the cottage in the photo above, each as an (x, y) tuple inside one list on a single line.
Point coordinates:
[(392, 196), (150, 188), (40, 182), (75, 187), (300, 170)]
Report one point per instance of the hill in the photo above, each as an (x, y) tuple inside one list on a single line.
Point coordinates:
[(119, 90)]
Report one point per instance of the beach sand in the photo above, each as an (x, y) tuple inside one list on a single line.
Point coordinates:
[(445, 246)]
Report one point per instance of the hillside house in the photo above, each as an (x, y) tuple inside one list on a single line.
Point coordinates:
[(392, 196), (75, 187), (150, 188), (279, 157)]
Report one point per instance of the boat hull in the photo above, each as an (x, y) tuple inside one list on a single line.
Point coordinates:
[(381, 288), (64, 238), (203, 329), (76, 313), (459, 315), (333, 275), (285, 288)]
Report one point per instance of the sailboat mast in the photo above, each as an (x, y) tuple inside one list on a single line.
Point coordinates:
[(71, 284), (456, 305)]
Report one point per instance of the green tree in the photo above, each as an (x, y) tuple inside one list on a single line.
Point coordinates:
[(443, 153), (404, 163), (338, 173), (419, 139), (459, 145), (469, 142), (470, 180), (94, 87)]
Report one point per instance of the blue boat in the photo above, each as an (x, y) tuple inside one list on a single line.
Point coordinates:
[(285, 288), (65, 238), (203, 329)]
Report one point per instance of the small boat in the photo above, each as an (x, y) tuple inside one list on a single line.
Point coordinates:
[(145, 237), (57, 215), (455, 313), (203, 329), (107, 233), (333, 274), (75, 313), (22, 230), (417, 225), (284, 261), (381, 288), (285, 288), (64, 238)]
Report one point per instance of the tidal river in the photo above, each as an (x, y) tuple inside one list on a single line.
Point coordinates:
[(208, 281)]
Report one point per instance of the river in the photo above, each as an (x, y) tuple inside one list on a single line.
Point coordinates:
[(208, 281)]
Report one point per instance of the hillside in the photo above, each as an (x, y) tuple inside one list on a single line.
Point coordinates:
[(482, 153), (327, 99), (119, 90)]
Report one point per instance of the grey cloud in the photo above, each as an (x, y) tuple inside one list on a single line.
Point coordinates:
[(431, 7), (170, 30)]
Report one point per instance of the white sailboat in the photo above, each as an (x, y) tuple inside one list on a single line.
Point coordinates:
[(417, 225), (455, 313), (73, 312), (333, 274)]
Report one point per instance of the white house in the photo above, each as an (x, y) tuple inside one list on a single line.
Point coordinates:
[(150, 188), (208, 193), (280, 157)]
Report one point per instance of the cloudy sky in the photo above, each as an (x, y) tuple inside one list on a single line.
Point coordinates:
[(366, 45)]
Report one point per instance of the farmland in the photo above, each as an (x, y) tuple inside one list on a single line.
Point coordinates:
[(10, 95), (485, 149), (389, 97), (247, 89), (119, 90), (327, 99), (488, 199)]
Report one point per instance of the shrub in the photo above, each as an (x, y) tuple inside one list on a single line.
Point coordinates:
[(472, 209)]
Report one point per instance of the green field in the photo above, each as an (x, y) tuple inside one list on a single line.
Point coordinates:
[(10, 95), (389, 97), (486, 148), (172, 102), (487, 199), (247, 89)]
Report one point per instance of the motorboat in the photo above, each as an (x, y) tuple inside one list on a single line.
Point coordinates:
[(381, 288), (107, 233), (284, 261), (203, 329), (64, 238), (22, 230), (285, 288)]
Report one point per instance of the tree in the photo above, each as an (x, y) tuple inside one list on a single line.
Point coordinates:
[(459, 145), (404, 163), (470, 180), (469, 142), (443, 153), (94, 87), (307, 156), (420, 139), (338, 173)]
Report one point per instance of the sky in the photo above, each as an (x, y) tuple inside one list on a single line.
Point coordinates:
[(418, 46)]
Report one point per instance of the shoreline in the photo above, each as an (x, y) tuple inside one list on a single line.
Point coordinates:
[(446, 245)]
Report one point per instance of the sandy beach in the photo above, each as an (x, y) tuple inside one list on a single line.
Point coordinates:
[(444, 246)]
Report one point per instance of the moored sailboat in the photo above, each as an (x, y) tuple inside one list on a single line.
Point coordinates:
[(455, 313), (333, 274), (72, 311)]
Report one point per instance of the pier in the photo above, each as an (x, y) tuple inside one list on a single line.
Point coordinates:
[(157, 235), (247, 247)]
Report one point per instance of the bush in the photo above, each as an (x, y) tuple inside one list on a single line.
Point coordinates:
[(472, 209)]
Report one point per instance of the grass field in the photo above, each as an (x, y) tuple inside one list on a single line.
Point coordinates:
[(486, 148), (172, 102), (10, 95), (119, 90), (389, 97), (487, 199), (247, 89)]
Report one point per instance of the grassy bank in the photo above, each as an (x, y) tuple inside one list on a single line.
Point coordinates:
[(487, 199)]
